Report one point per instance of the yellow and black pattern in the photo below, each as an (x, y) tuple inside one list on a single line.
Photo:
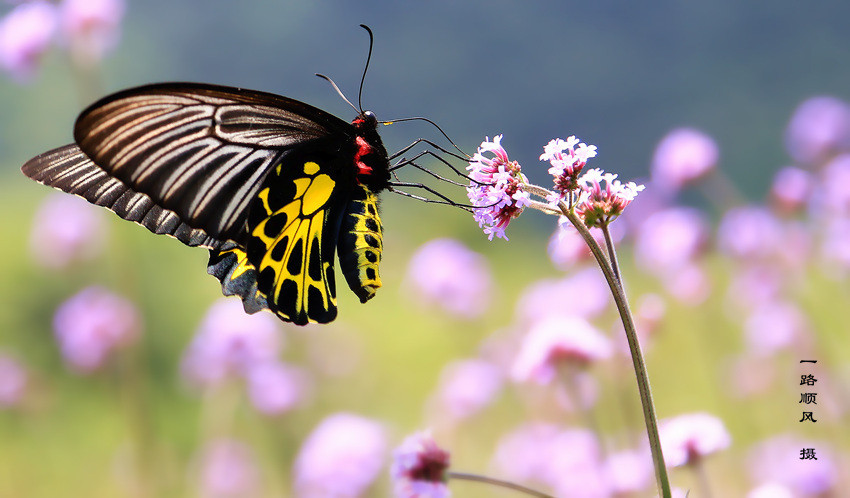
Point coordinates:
[(361, 244), (270, 185), (288, 243), (238, 277)]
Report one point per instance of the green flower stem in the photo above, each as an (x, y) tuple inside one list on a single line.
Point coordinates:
[(498, 482), (641, 374)]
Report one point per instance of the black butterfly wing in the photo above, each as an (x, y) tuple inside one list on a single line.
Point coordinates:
[(201, 151), (194, 161), (69, 169)]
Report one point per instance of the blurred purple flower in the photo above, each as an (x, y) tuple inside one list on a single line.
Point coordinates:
[(683, 156), (689, 285), (686, 438), (770, 490), (446, 272), (567, 248), (554, 340), (819, 128), (753, 285), (92, 27), (565, 460), (584, 293), (521, 454), (775, 326), (229, 342), (750, 232), (228, 469), (749, 375), (466, 387), (777, 460), (670, 239), (835, 247), (629, 471), (834, 190), (92, 325), (575, 467), (25, 35), (791, 189), (13, 381), (340, 458), (66, 229), (275, 388), (495, 188), (419, 468)]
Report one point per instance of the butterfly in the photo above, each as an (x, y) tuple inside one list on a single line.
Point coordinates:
[(270, 185)]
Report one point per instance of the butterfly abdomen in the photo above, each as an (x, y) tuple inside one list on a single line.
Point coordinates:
[(360, 244)]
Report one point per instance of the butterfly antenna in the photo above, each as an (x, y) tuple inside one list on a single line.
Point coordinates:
[(368, 59), (338, 91), (435, 125)]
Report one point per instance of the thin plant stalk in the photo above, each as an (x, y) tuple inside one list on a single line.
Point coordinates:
[(641, 374), (612, 254), (498, 482)]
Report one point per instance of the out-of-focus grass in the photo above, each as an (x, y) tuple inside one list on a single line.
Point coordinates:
[(87, 435)]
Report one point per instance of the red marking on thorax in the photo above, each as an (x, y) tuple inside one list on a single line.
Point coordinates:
[(363, 149)]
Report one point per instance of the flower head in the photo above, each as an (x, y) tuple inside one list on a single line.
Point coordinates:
[(25, 35), (557, 339), (599, 205), (446, 272), (495, 188), (229, 342), (419, 468), (819, 128), (340, 458), (688, 437), (227, 469), (92, 27), (275, 388), (567, 158), (66, 229), (683, 156), (93, 324), (466, 386)]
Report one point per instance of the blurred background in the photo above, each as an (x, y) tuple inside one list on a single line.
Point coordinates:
[(124, 373)]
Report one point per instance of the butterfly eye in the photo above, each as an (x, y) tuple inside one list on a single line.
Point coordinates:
[(370, 117)]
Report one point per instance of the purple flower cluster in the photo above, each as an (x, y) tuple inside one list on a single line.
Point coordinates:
[(88, 28), (227, 468), (599, 205), (232, 344), (683, 156), (92, 325), (568, 159), (419, 468), (66, 230), (496, 188), (687, 438), (447, 273), (341, 457)]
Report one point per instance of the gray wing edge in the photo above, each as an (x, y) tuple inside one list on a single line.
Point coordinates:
[(68, 169)]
